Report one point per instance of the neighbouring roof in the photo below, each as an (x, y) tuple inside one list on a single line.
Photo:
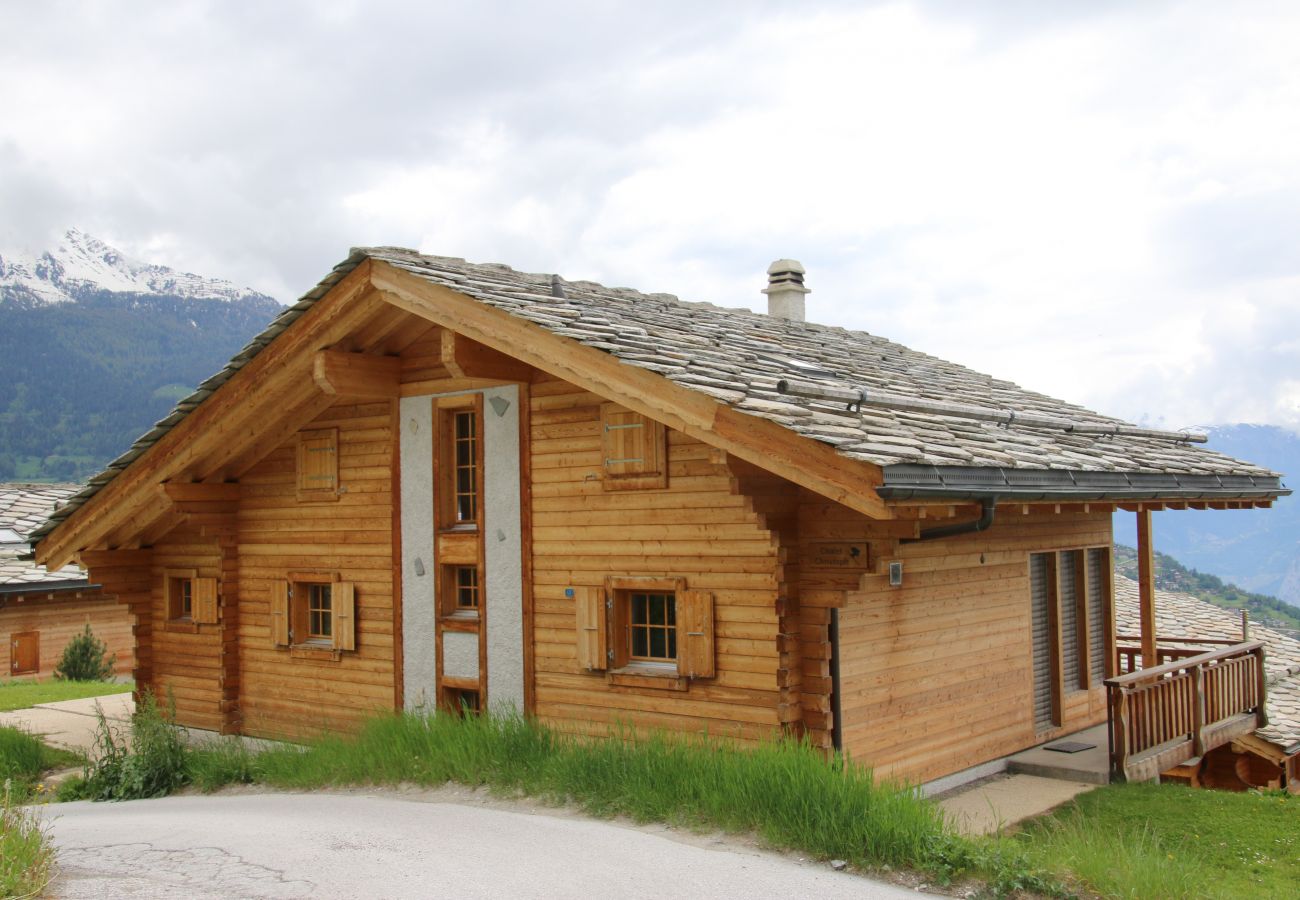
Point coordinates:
[(22, 508), (1182, 615), (737, 357)]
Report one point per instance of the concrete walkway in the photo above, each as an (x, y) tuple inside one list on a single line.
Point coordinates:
[(380, 845), (71, 723), (1001, 801)]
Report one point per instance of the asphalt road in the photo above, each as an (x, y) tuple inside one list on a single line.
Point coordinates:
[(361, 845)]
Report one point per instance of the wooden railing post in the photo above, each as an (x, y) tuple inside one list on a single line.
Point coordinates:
[(1198, 711), (1118, 730), (1261, 686)]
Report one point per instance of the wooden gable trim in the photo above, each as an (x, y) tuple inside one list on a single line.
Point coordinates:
[(766, 444), (248, 407)]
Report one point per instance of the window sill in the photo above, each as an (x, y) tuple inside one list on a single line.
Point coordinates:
[(461, 620), (316, 651), (648, 675), (185, 626)]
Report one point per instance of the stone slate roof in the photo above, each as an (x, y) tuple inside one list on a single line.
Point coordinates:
[(22, 508), (737, 356), (1182, 615)]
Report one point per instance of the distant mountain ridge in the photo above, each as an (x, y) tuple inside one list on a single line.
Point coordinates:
[(95, 347), (1256, 549), (82, 265)]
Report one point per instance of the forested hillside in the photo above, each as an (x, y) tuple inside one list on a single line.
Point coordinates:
[(1171, 575), (79, 381)]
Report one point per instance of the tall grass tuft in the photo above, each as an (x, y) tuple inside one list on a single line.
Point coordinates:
[(150, 762), (25, 852)]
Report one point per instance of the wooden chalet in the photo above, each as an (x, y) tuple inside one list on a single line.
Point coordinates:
[(432, 484), (41, 610)]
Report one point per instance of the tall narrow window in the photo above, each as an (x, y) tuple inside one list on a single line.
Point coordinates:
[(465, 439), (320, 612)]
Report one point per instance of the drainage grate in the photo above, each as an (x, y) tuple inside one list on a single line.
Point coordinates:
[(1069, 746)]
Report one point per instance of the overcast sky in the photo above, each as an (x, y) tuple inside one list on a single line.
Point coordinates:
[(1098, 200)]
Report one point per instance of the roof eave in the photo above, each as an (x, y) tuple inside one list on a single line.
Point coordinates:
[(911, 481)]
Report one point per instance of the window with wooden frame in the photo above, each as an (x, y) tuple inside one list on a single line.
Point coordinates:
[(645, 626), (634, 450), (460, 591), (318, 464), (459, 479), (314, 610), (189, 598), (462, 701)]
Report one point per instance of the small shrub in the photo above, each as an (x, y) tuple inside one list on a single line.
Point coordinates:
[(25, 852), (151, 763), (84, 659)]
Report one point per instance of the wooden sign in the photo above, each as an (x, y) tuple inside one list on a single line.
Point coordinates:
[(839, 555)]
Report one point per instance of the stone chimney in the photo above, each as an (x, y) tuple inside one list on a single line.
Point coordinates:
[(785, 290)]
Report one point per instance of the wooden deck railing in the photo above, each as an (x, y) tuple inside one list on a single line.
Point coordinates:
[(1164, 716), (1128, 650)]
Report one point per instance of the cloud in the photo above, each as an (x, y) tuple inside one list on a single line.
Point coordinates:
[(1097, 200)]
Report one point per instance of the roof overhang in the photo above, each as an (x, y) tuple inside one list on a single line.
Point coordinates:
[(925, 482), (45, 587)]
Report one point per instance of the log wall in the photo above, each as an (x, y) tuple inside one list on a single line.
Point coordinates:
[(936, 675), (60, 618), (698, 528), (287, 692)]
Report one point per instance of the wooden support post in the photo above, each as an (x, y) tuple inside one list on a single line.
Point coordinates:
[(1261, 687), (1147, 588), (1198, 711)]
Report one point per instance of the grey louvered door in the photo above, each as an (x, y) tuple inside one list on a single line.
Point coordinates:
[(1098, 580), (1069, 618), (1041, 619)]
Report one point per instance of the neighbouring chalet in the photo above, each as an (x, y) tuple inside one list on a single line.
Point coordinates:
[(41, 610), (432, 484)]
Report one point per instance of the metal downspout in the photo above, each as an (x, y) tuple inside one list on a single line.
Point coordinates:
[(988, 507)]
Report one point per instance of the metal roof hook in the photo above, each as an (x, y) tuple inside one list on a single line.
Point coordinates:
[(855, 406)]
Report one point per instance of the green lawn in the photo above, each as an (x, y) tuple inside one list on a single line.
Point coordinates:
[(22, 693), (1146, 840)]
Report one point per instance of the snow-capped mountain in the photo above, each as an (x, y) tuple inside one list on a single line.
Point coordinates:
[(82, 265)]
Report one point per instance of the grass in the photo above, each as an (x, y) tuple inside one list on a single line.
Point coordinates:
[(1124, 841), (22, 693), (25, 852), (1156, 841)]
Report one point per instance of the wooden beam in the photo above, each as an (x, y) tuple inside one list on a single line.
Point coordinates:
[(1147, 589), (201, 492), (466, 358), (773, 447), (357, 376)]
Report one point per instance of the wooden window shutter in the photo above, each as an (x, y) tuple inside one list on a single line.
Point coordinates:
[(695, 640), (318, 464), (633, 450), (344, 600), (204, 609), (280, 613), (593, 647)]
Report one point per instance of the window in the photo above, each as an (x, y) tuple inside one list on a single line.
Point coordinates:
[(318, 464), (320, 614), (459, 480), (181, 597), (652, 627), (466, 587), (463, 701), (313, 610), (633, 449), (190, 600), (646, 626)]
